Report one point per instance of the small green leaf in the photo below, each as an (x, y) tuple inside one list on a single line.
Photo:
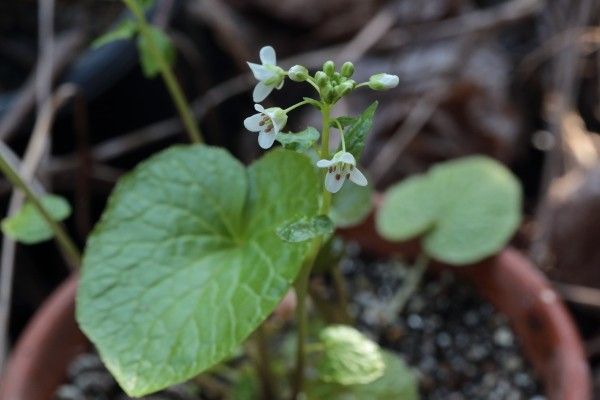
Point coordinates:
[(29, 227), (356, 133), (148, 57), (397, 383), (351, 205), (185, 262), (349, 357), (125, 30), (344, 121), (467, 209), (305, 228), (300, 141)]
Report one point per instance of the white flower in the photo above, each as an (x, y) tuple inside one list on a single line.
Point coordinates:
[(341, 167), (383, 81), (269, 75), (267, 122)]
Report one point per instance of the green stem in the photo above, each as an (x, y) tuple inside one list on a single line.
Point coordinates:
[(341, 134), (290, 108), (304, 276), (312, 82), (341, 291), (62, 238), (183, 108), (263, 363)]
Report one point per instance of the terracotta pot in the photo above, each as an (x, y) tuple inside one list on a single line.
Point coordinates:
[(509, 281)]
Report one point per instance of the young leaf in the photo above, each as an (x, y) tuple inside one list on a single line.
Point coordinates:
[(300, 141), (148, 58), (344, 121), (397, 383), (349, 357), (185, 262), (305, 228), (126, 29), (357, 132), (29, 227), (351, 205), (467, 209)]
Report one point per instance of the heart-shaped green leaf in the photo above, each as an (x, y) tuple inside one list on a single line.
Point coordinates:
[(349, 357), (185, 262), (305, 229), (29, 227), (467, 209)]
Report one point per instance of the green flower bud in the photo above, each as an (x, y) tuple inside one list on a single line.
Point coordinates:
[(328, 93), (321, 78), (344, 88), (298, 73), (347, 69), (383, 81), (329, 68)]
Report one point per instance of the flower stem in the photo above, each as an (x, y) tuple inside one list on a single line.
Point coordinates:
[(303, 279), (263, 363), (341, 129), (290, 108), (183, 108), (62, 238)]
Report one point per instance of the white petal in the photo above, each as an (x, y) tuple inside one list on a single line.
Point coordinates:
[(252, 123), (333, 184), (279, 122), (324, 163), (347, 158), (266, 140), (261, 91), (267, 55), (260, 73), (259, 108), (357, 177)]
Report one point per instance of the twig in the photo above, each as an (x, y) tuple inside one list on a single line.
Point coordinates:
[(64, 50)]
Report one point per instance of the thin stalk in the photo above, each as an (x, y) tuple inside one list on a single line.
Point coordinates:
[(341, 290), (263, 363), (293, 107), (303, 279), (341, 134), (62, 238), (183, 108)]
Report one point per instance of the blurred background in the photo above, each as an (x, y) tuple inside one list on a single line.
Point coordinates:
[(518, 80)]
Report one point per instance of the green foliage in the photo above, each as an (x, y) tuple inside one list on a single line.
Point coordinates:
[(305, 228), (397, 383), (357, 132), (351, 205), (301, 141), (467, 209), (151, 46), (185, 262), (28, 226), (126, 29), (349, 357)]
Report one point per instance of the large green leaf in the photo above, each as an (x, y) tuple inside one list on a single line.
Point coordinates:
[(305, 228), (351, 205), (349, 357), (185, 262), (397, 383), (29, 227), (467, 209), (357, 132)]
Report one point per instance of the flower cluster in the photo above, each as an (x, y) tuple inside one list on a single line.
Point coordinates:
[(331, 86)]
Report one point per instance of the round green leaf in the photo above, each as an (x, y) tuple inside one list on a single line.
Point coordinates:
[(408, 211), (28, 226), (351, 205), (185, 262), (349, 357), (466, 209), (397, 383)]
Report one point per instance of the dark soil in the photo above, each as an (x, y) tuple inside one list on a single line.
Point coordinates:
[(460, 347)]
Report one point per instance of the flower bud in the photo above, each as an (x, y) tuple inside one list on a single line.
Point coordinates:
[(298, 73), (329, 68), (321, 79), (344, 88), (347, 69), (328, 93), (383, 81)]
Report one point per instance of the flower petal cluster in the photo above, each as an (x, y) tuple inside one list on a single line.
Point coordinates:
[(268, 74), (341, 167), (267, 122)]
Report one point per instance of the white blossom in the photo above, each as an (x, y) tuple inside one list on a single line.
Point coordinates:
[(383, 81), (267, 122), (341, 167), (269, 75)]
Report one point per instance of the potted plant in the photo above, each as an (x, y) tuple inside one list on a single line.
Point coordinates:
[(194, 251)]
